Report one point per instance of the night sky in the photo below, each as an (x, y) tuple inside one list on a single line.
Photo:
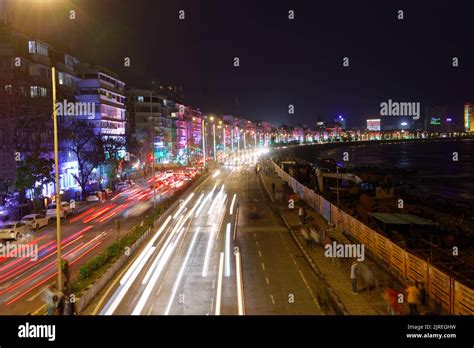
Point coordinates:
[(282, 61)]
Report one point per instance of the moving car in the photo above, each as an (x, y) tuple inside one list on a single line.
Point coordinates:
[(13, 230), (35, 221), (65, 211), (93, 196)]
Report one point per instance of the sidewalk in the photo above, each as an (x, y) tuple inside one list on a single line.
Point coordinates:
[(335, 272)]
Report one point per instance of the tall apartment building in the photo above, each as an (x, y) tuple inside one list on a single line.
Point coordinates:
[(25, 104), (149, 114)]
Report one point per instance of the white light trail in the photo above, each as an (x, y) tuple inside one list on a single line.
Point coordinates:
[(232, 204), (134, 266), (227, 250), (209, 195), (180, 274), (216, 174), (240, 293), (124, 287), (210, 242), (183, 205), (219, 285), (157, 259), (149, 288)]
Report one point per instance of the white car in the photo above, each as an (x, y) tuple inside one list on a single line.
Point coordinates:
[(93, 197), (13, 230), (65, 210), (36, 221)]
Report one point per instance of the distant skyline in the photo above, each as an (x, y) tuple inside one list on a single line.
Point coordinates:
[(282, 61)]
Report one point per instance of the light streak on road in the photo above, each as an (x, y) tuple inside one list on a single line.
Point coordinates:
[(232, 204), (122, 291), (156, 274), (209, 195), (162, 250), (216, 174), (219, 285), (210, 242), (180, 274), (182, 205), (240, 285), (80, 216), (134, 266), (227, 250)]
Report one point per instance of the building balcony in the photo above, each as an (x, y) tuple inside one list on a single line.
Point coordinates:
[(39, 58)]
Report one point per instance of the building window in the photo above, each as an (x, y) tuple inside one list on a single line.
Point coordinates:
[(61, 78), (32, 46), (8, 89), (69, 61), (140, 99)]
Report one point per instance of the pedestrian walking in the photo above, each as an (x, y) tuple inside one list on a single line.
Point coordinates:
[(61, 303), (422, 297), (354, 274), (391, 297), (413, 295), (51, 305), (302, 214), (70, 308)]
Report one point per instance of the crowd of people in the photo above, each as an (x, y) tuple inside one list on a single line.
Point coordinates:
[(60, 301)]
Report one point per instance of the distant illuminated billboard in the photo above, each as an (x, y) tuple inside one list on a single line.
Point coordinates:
[(373, 124), (435, 121)]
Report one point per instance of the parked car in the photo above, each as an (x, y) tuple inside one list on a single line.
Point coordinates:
[(93, 196), (35, 221), (13, 230), (65, 211)]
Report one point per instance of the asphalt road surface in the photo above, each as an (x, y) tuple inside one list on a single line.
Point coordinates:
[(87, 232), (222, 251)]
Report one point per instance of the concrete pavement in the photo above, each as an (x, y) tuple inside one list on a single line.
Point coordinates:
[(336, 273)]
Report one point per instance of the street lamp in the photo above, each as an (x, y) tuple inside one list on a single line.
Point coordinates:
[(58, 192), (214, 139), (203, 135), (223, 138), (337, 184), (153, 148)]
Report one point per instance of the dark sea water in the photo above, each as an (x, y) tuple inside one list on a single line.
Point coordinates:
[(436, 172)]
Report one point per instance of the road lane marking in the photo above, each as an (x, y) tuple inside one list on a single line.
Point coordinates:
[(263, 266), (267, 280), (259, 253), (273, 299), (302, 276), (255, 235), (257, 244), (219, 285), (151, 309), (159, 290)]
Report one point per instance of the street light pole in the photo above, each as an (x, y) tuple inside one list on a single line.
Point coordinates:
[(337, 185), (214, 137), (153, 148), (58, 194), (223, 137), (203, 135)]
